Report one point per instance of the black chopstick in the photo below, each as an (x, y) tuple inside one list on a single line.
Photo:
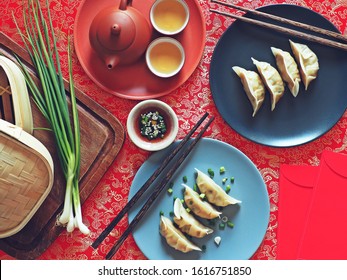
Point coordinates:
[(316, 29), (159, 187), (286, 31), (146, 185)]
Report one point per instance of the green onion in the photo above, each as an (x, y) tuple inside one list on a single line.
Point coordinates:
[(222, 170), (210, 172), (202, 196), (52, 103), (195, 187), (169, 191), (161, 213), (221, 226), (227, 188), (185, 179), (232, 179), (224, 180), (230, 224)]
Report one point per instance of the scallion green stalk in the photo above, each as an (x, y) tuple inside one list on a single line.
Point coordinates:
[(52, 102)]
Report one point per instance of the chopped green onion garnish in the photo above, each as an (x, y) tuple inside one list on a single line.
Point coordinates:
[(217, 240), (230, 224), (222, 170), (152, 125), (210, 172), (202, 196), (169, 191), (195, 187), (232, 179), (227, 188), (224, 180), (188, 210), (221, 226), (172, 213), (185, 179), (161, 213)]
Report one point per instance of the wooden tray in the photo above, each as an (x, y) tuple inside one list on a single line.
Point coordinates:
[(102, 137)]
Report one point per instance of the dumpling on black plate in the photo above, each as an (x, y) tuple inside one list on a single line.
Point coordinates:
[(272, 80), (307, 60), (288, 69), (253, 87)]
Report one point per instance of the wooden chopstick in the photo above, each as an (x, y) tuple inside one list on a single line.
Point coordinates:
[(159, 187), (146, 185), (287, 31), (316, 29)]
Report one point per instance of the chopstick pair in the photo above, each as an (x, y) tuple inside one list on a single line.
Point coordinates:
[(158, 187), (285, 30)]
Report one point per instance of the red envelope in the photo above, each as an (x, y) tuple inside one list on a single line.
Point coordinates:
[(295, 192), (325, 234)]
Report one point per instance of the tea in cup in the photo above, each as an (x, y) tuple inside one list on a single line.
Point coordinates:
[(165, 57), (169, 17)]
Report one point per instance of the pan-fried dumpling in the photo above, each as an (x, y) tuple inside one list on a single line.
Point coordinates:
[(288, 69), (214, 193), (272, 81), (187, 223), (174, 237), (253, 86), (199, 207), (307, 60)]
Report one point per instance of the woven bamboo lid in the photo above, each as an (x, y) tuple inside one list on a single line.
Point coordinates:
[(26, 177)]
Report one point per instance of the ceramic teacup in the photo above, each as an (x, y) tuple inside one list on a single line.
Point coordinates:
[(165, 57), (169, 17)]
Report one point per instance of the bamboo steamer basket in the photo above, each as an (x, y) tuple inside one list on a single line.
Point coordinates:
[(26, 177)]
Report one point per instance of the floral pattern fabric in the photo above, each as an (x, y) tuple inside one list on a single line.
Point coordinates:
[(189, 102)]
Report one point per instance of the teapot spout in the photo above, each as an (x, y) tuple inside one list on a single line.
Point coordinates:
[(111, 62)]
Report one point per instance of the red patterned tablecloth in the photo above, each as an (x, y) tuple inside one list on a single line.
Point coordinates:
[(188, 101)]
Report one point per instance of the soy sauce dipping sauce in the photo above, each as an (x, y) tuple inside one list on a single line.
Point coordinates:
[(153, 124)]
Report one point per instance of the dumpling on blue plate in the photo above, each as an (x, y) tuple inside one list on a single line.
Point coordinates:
[(174, 237), (187, 222), (198, 206), (214, 193)]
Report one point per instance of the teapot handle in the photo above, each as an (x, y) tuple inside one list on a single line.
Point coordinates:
[(124, 3)]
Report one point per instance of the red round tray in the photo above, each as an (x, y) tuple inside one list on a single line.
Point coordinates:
[(135, 81)]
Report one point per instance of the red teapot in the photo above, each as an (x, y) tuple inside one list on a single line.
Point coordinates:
[(120, 35)]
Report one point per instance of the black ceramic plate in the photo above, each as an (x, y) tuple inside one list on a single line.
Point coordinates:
[(294, 121)]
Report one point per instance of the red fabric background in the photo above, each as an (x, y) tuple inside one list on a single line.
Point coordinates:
[(188, 101)]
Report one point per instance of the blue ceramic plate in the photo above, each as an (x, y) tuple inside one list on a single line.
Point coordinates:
[(294, 121), (250, 218)]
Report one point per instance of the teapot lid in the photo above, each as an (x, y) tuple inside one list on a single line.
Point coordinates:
[(116, 30)]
